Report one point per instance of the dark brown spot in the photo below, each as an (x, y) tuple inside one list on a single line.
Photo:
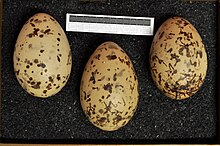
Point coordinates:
[(128, 63), (121, 60), (115, 77), (32, 24), (58, 39), (50, 79), (101, 111), (37, 21), (92, 78), (95, 88), (58, 77), (41, 51), (58, 58), (102, 120), (49, 86), (161, 35), (21, 80), (35, 60), (111, 57), (36, 31), (170, 50), (117, 86), (36, 86), (117, 119), (108, 87), (52, 19), (30, 35), (41, 36), (47, 31), (45, 91), (41, 65), (97, 56), (108, 96)]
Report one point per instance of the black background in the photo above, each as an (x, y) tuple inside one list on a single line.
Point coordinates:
[(60, 119)]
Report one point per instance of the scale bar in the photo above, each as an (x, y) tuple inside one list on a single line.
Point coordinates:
[(109, 24)]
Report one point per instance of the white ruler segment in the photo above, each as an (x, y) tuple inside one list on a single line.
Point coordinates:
[(110, 24)]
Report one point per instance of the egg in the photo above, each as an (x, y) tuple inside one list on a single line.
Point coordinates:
[(178, 59), (42, 56), (109, 88)]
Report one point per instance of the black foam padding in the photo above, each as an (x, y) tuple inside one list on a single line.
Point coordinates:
[(60, 119)]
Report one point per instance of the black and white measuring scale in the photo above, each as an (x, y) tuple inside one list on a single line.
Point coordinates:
[(110, 24)]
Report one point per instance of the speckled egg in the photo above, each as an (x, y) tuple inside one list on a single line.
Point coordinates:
[(109, 88), (42, 56), (178, 59)]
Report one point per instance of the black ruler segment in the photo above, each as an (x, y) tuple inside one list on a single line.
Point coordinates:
[(110, 20)]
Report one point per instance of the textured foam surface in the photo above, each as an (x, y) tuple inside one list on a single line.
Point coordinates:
[(60, 118)]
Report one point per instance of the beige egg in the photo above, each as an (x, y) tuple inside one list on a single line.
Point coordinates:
[(109, 88), (42, 56), (178, 59)]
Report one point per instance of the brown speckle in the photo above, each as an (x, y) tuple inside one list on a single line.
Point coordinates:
[(49, 86), (161, 35), (50, 79), (35, 60), (97, 56), (108, 87), (32, 24), (41, 65), (111, 57), (115, 77), (52, 19), (58, 58), (36, 86), (58, 77), (37, 21), (102, 120)]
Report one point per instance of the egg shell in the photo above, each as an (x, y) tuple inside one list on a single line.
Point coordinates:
[(178, 59), (109, 88), (42, 56)]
